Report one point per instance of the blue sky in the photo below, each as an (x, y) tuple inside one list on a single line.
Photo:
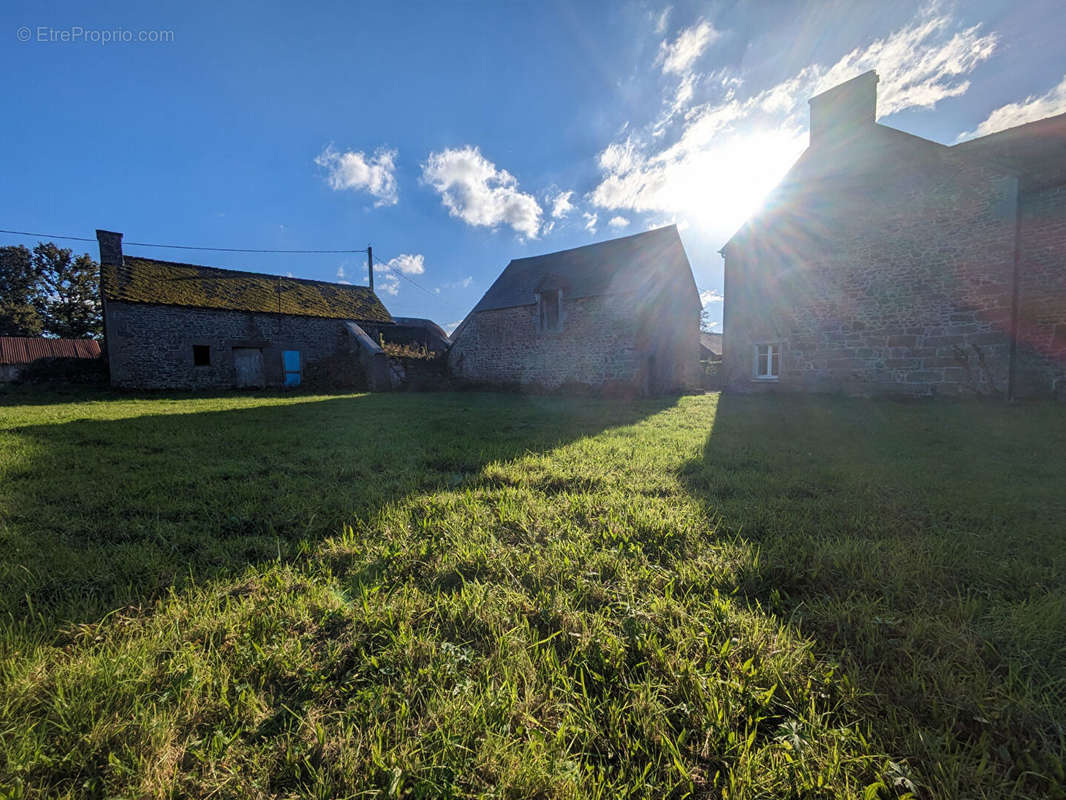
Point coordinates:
[(456, 136)]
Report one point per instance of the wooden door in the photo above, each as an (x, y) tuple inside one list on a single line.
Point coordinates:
[(248, 367)]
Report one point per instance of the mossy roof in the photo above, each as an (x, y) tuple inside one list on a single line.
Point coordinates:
[(146, 280)]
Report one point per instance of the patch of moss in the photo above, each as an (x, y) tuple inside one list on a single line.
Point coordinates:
[(144, 280)]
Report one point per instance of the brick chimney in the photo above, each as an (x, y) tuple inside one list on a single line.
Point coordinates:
[(110, 247), (844, 110)]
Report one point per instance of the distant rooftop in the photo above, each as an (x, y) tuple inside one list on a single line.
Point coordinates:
[(27, 349), (629, 264)]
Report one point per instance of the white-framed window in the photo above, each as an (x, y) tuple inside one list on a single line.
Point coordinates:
[(550, 310), (767, 361)]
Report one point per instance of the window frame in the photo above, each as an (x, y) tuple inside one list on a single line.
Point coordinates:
[(201, 350), (773, 350), (542, 325), (286, 372)]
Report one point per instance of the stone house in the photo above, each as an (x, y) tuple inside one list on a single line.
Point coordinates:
[(184, 326), (888, 263), (621, 314)]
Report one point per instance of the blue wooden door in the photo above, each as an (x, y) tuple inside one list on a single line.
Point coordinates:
[(290, 362)]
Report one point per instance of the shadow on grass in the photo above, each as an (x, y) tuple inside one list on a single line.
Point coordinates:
[(922, 545), (101, 514)]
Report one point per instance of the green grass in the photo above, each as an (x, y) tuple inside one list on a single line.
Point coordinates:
[(457, 595)]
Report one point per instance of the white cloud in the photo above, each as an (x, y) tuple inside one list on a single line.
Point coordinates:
[(618, 222), (708, 296), (1030, 109), (679, 56), (918, 65), (408, 264), (353, 170), (451, 326), (590, 221), (385, 277), (660, 23), (340, 272), (560, 203), (461, 284), (731, 150), (474, 190)]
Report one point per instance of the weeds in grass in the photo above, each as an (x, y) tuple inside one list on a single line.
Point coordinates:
[(498, 596)]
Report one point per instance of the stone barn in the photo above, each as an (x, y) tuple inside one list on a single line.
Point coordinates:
[(621, 314), (888, 263), (184, 326)]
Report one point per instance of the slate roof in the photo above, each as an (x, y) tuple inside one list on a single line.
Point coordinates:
[(1036, 151), (26, 349), (829, 174), (146, 280), (711, 342), (639, 263)]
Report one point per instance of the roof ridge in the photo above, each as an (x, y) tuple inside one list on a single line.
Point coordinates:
[(244, 272), (597, 244)]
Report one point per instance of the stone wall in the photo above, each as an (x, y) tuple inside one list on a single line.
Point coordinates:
[(602, 341), (1041, 355), (151, 347), (895, 277)]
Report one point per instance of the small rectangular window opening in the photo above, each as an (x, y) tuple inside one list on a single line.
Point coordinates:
[(549, 310), (201, 355), (767, 361)]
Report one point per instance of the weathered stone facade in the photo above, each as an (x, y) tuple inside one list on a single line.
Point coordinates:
[(885, 263), (1041, 349), (151, 347), (597, 344), (169, 325), (642, 341)]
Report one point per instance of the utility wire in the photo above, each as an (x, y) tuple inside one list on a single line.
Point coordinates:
[(384, 264), (178, 246), (396, 272), (48, 236)]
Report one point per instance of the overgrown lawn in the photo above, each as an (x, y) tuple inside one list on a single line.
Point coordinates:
[(458, 595)]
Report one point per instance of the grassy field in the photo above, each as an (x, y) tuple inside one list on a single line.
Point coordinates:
[(457, 595)]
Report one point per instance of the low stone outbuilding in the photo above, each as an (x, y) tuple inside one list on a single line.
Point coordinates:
[(888, 263), (169, 325), (620, 314)]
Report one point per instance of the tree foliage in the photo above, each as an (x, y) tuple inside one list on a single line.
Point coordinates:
[(19, 283), (48, 291), (67, 300)]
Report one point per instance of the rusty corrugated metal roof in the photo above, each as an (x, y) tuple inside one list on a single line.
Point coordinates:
[(26, 349)]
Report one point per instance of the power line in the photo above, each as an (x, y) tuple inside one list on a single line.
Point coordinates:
[(396, 272), (181, 246), (384, 264), (48, 236)]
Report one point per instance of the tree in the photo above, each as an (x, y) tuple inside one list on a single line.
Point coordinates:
[(67, 299), (18, 293), (706, 326)]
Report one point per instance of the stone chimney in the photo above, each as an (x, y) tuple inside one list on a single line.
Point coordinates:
[(110, 247), (841, 112)]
